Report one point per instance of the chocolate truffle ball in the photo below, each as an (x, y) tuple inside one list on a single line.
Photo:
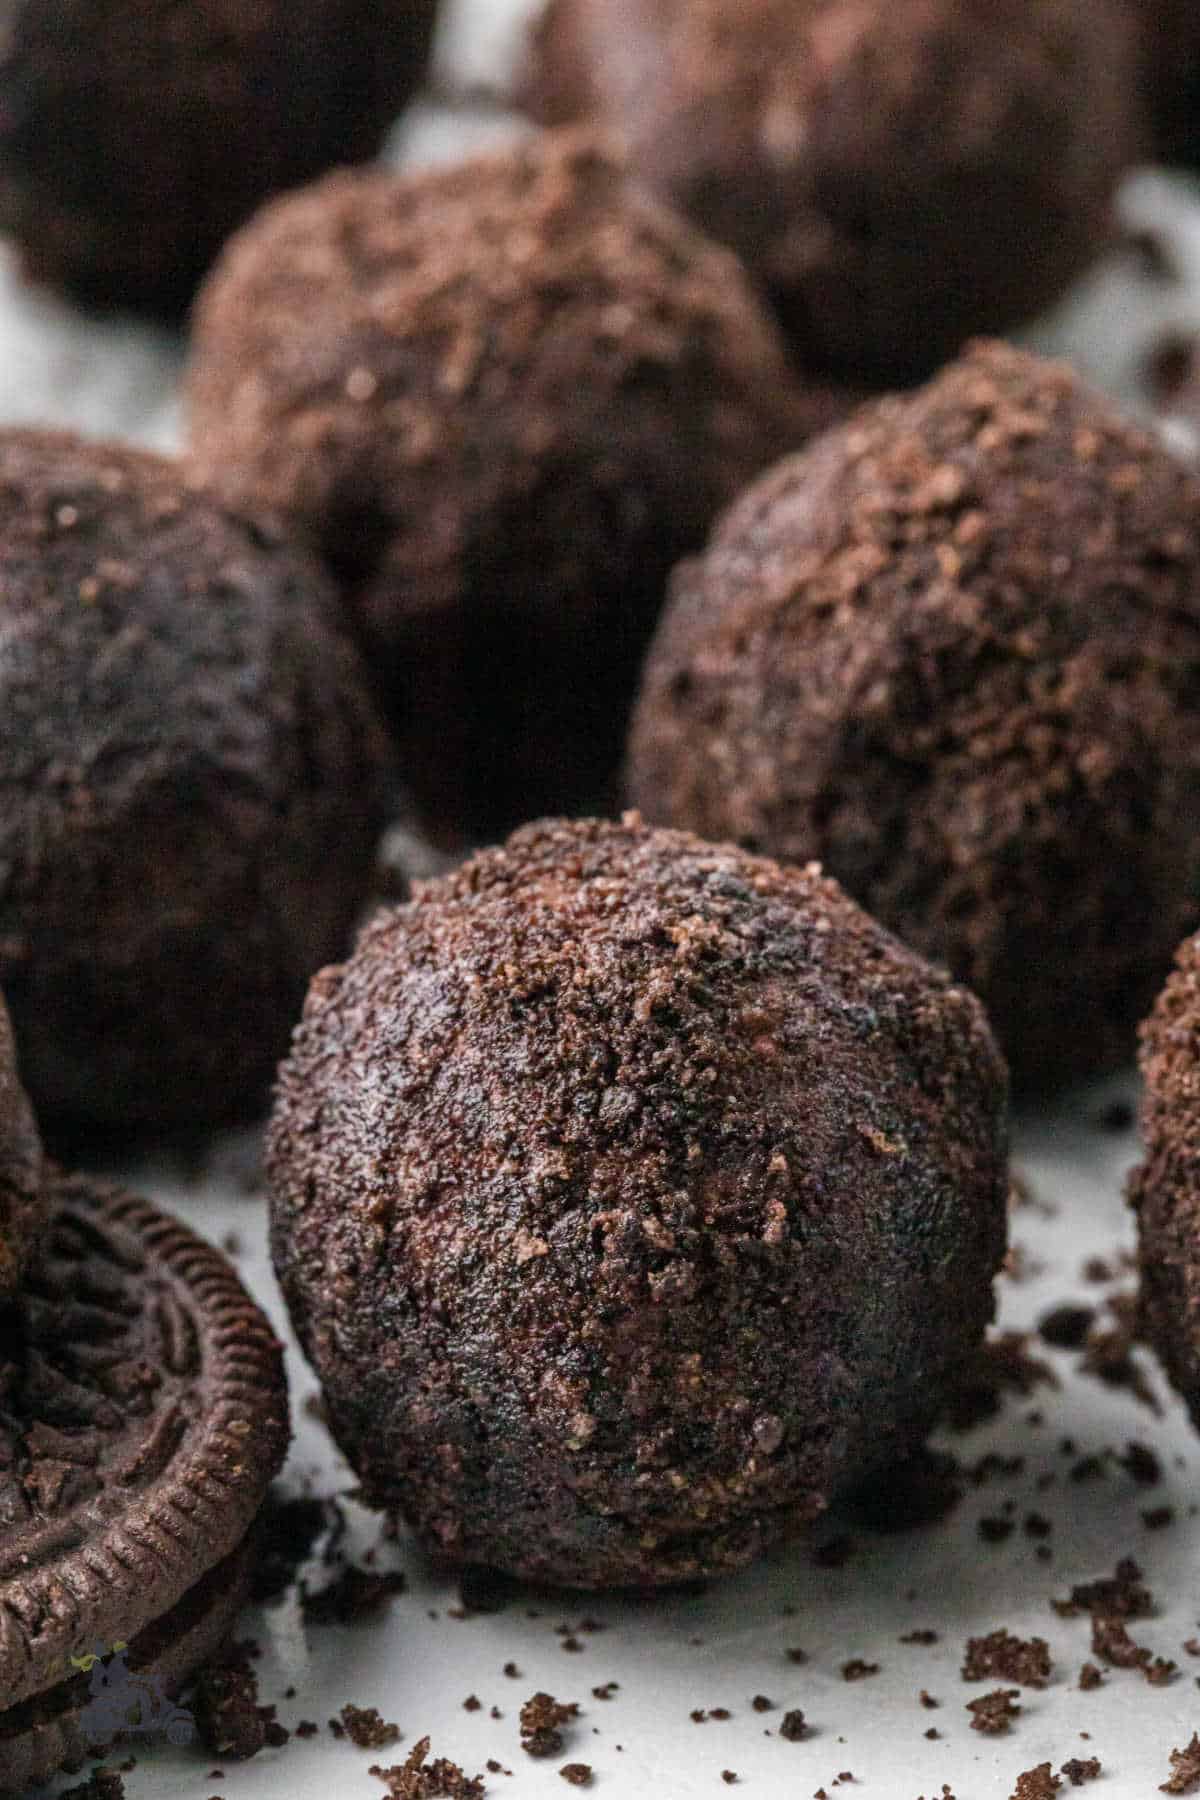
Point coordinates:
[(633, 1196), (135, 135), (899, 174), (192, 781), (22, 1204), (504, 398), (1171, 63), (953, 651), (1165, 1190)]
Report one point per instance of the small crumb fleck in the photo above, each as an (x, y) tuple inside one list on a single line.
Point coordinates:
[(994, 1713)]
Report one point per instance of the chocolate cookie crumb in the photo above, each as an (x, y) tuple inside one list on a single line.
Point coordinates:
[(994, 1713), (354, 1595), (858, 1670), (1026, 1661), (578, 1774), (1067, 1327), (1185, 1765), (291, 1527), (366, 1729), (1079, 1770), (542, 1717), (1123, 1595), (1090, 1678), (1036, 1784), (793, 1726), (419, 1779), (228, 1716)]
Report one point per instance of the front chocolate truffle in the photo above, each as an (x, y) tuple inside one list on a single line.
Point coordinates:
[(135, 136), (193, 786), (1165, 1190), (899, 174), (22, 1201), (504, 398), (953, 651), (631, 1197)]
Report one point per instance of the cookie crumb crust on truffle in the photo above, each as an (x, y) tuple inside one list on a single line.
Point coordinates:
[(632, 1197)]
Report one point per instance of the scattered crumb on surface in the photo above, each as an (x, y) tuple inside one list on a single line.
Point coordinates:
[(542, 1719), (1002, 1656), (366, 1729), (994, 1713)]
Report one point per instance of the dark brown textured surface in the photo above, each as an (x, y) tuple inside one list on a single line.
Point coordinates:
[(631, 1197), (1171, 53), (135, 135), (22, 1195), (190, 786), (954, 652), (899, 174), (142, 1416), (1165, 1190), (504, 398)]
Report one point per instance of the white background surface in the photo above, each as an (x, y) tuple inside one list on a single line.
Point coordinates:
[(721, 1648)]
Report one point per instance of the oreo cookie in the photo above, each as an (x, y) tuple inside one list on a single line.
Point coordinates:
[(22, 1206), (143, 1414)]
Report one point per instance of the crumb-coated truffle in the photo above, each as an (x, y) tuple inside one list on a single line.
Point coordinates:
[(22, 1193), (899, 174), (135, 135), (505, 397), (192, 779), (953, 651), (1165, 1190), (631, 1196)]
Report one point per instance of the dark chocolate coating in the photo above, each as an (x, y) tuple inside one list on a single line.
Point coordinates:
[(631, 1197), (135, 135), (192, 774), (953, 652), (1165, 1189), (504, 397), (1171, 63), (22, 1197), (899, 174)]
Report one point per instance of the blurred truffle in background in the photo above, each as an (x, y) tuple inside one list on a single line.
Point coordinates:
[(953, 652), (193, 784), (503, 398), (135, 135), (1171, 63), (898, 174)]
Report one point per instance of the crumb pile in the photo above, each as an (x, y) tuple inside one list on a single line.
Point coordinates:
[(899, 174)]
